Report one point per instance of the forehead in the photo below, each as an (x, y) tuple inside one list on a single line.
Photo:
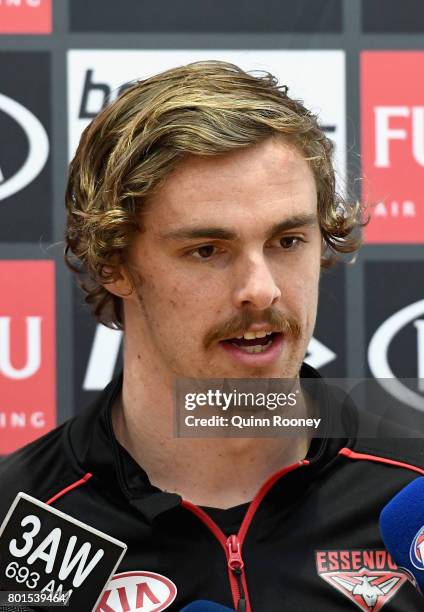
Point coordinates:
[(265, 180)]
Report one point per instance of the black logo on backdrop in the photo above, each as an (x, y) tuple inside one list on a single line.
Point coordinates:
[(207, 16), (393, 16), (25, 176), (395, 329), (37, 145)]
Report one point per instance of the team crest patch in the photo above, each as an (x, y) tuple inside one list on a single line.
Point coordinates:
[(369, 578)]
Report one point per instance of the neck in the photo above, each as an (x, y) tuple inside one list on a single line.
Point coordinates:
[(215, 472)]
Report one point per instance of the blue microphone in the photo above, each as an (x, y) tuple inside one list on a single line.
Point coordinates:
[(402, 530), (201, 605)]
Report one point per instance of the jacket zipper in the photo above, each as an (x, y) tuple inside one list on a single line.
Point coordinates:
[(233, 545), (236, 566)]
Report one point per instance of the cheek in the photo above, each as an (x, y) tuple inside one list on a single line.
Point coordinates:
[(174, 306), (304, 285), (301, 294), (193, 298)]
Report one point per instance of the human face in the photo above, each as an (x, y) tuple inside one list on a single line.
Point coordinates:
[(230, 244)]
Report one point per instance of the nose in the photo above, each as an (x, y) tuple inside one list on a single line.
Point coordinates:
[(255, 285)]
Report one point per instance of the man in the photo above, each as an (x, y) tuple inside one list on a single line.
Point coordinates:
[(201, 209)]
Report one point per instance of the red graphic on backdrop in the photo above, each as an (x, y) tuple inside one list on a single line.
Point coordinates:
[(25, 16), (392, 137), (27, 352)]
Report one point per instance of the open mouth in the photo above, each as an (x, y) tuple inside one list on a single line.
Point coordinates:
[(259, 344)]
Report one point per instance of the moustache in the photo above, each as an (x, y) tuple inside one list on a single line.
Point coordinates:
[(279, 322)]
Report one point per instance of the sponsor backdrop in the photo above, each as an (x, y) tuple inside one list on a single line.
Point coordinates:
[(357, 64)]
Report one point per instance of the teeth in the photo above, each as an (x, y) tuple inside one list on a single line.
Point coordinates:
[(249, 335), (260, 334), (253, 335), (258, 348)]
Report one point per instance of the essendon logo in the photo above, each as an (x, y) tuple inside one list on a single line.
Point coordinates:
[(369, 578), (392, 120), (27, 352), (144, 591), (25, 16)]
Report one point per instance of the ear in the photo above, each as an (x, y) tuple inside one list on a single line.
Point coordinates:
[(121, 284)]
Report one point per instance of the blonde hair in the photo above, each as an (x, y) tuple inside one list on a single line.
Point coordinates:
[(204, 108)]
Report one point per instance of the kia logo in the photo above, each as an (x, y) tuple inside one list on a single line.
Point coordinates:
[(378, 353), (38, 147), (131, 591)]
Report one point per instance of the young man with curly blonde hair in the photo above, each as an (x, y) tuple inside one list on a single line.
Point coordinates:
[(201, 209)]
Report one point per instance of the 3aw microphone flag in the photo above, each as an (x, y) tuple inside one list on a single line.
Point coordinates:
[(44, 550)]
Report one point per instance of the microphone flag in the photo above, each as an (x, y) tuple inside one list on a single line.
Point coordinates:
[(52, 556)]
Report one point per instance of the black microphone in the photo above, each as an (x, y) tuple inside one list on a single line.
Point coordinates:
[(402, 530), (47, 557), (201, 605)]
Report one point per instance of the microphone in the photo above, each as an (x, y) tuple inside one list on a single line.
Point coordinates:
[(402, 530), (201, 605), (47, 557)]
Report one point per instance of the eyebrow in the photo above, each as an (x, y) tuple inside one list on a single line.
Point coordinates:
[(187, 233)]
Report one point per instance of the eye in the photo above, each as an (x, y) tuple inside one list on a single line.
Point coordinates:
[(290, 242), (204, 252)]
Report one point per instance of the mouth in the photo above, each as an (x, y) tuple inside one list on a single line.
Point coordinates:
[(254, 348), (253, 342)]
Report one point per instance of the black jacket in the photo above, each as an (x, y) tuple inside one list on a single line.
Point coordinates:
[(308, 542)]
